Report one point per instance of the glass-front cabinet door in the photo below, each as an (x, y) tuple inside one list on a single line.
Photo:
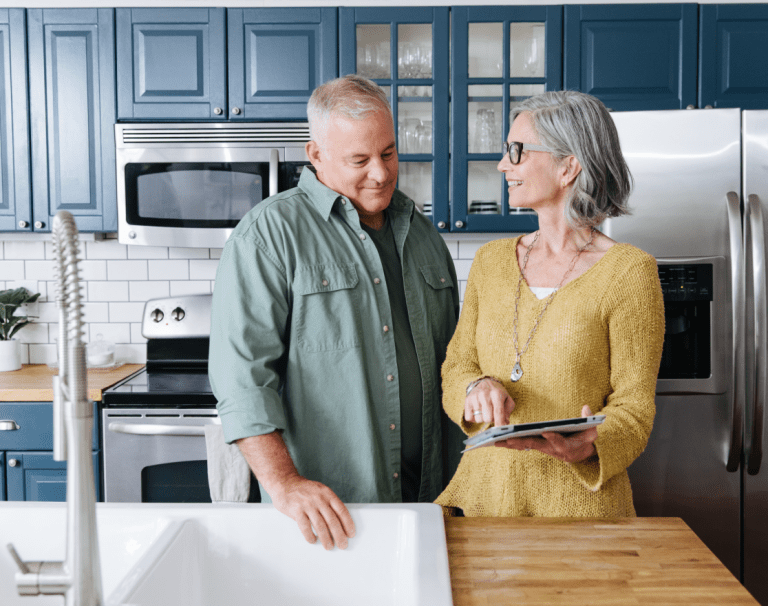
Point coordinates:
[(500, 56), (405, 50)]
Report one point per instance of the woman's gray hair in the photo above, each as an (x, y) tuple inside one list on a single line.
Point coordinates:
[(351, 96), (576, 124)]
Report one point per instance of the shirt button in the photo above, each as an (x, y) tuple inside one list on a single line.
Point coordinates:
[(395, 475), (390, 377), (343, 201), (362, 236), (386, 329), (442, 280), (376, 281), (392, 427), (325, 282)]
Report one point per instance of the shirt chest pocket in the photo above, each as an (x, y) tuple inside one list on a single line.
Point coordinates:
[(325, 307), (439, 301)]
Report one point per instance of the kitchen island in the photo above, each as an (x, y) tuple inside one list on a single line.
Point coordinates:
[(527, 561)]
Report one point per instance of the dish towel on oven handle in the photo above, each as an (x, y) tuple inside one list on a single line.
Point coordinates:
[(229, 477)]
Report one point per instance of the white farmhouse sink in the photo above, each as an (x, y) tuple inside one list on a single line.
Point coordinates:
[(201, 555)]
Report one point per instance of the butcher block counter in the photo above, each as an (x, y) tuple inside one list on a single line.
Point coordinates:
[(33, 382), (544, 561)]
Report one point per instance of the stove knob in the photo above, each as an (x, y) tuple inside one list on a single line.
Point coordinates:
[(178, 314), (157, 315)]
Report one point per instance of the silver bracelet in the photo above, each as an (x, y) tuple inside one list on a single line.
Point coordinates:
[(474, 384)]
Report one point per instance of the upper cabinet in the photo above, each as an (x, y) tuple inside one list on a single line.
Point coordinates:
[(733, 64), (633, 57), (15, 190), (500, 56), (222, 64), (405, 50)]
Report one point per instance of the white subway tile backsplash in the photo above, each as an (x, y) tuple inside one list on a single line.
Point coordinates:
[(136, 336), (169, 270), (12, 270), (42, 354), (47, 311), (118, 332), (188, 253), (95, 311), (33, 333), (93, 270), (143, 291), (25, 250), (453, 248), (108, 291), (105, 249), (203, 270), (39, 270), (147, 252), (127, 270), (462, 268), (131, 353), (190, 287), (216, 253), (126, 312)]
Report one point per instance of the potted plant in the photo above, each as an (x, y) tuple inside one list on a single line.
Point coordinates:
[(10, 324)]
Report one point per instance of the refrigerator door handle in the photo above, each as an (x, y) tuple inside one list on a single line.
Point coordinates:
[(754, 221), (738, 287)]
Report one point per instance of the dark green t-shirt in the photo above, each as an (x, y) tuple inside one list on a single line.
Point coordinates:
[(411, 394)]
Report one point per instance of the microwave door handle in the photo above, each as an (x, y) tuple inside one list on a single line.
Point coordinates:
[(757, 228), (737, 395), (274, 159), (157, 430)]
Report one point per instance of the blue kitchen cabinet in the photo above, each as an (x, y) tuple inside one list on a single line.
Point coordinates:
[(222, 64), (27, 469), (405, 50), (733, 57), (171, 63), (277, 57), (72, 101), (15, 183), (632, 56), (500, 55)]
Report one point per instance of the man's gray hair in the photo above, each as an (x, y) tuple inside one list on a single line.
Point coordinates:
[(576, 124), (350, 96)]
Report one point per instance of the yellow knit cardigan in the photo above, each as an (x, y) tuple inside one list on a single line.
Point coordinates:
[(599, 343)]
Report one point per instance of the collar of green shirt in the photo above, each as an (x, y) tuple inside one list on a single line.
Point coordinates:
[(323, 198)]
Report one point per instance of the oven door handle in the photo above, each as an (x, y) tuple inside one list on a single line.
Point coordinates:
[(274, 159), (157, 430)]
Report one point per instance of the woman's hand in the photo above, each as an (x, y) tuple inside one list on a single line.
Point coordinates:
[(570, 449), (488, 402)]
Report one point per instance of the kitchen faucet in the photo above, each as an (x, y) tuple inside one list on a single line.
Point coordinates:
[(78, 577)]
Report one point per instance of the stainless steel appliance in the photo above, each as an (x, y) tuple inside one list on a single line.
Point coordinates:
[(189, 184), (153, 421), (701, 179)]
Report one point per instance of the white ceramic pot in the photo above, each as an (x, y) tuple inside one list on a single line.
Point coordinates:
[(10, 355)]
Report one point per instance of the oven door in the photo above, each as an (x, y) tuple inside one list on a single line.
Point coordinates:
[(156, 455)]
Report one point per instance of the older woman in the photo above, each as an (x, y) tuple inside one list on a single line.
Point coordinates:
[(558, 323)]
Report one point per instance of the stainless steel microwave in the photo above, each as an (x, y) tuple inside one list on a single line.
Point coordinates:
[(189, 184)]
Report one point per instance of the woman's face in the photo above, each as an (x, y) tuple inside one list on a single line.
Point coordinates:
[(536, 180)]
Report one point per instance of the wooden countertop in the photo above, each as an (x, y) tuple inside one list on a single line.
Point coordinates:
[(543, 561), (33, 382)]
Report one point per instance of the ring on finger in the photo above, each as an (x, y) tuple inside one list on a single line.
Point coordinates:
[(477, 413)]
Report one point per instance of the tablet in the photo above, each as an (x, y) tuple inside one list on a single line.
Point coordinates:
[(519, 430)]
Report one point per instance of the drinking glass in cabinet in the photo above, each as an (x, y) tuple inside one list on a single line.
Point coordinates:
[(414, 50), (484, 110), (485, 50), (415, 181), (412, 115), (484, 187), (373, 51), (526, 50)]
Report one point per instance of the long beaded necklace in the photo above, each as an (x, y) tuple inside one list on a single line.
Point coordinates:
[(517, 371)]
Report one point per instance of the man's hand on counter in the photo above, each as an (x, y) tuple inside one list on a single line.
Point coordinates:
[(310, 504)]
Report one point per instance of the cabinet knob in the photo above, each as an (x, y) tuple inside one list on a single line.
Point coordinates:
[(13, 462), (441, 224), (23, 224), (8, 425), (39, 225), (459, 224), (707, 107), (217, 111), (690, 106), (236, 110)]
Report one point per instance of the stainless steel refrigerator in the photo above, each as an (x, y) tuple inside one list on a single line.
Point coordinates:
[(701, 180)]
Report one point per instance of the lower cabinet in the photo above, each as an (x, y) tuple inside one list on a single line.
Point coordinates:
[(35, 476), (2, 476)]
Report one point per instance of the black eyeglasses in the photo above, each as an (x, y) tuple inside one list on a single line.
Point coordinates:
[(514, 150)]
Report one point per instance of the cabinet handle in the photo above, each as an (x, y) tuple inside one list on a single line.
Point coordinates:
[(23, 224), (39, 225), (13, 462), (459, 224), (236, 110), (690, 107), (6, 425), (217, 111), (441, 224)]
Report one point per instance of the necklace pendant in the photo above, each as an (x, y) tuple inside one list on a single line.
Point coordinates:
[(517, 373)]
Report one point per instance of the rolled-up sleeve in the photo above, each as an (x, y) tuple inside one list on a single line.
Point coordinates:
[(248, 338)]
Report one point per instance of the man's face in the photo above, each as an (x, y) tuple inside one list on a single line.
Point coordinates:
[(358, 159)]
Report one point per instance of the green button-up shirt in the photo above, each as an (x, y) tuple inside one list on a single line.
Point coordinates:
[(298, 341)]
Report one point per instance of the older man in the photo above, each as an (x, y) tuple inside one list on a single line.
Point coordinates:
[(333, 307)]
